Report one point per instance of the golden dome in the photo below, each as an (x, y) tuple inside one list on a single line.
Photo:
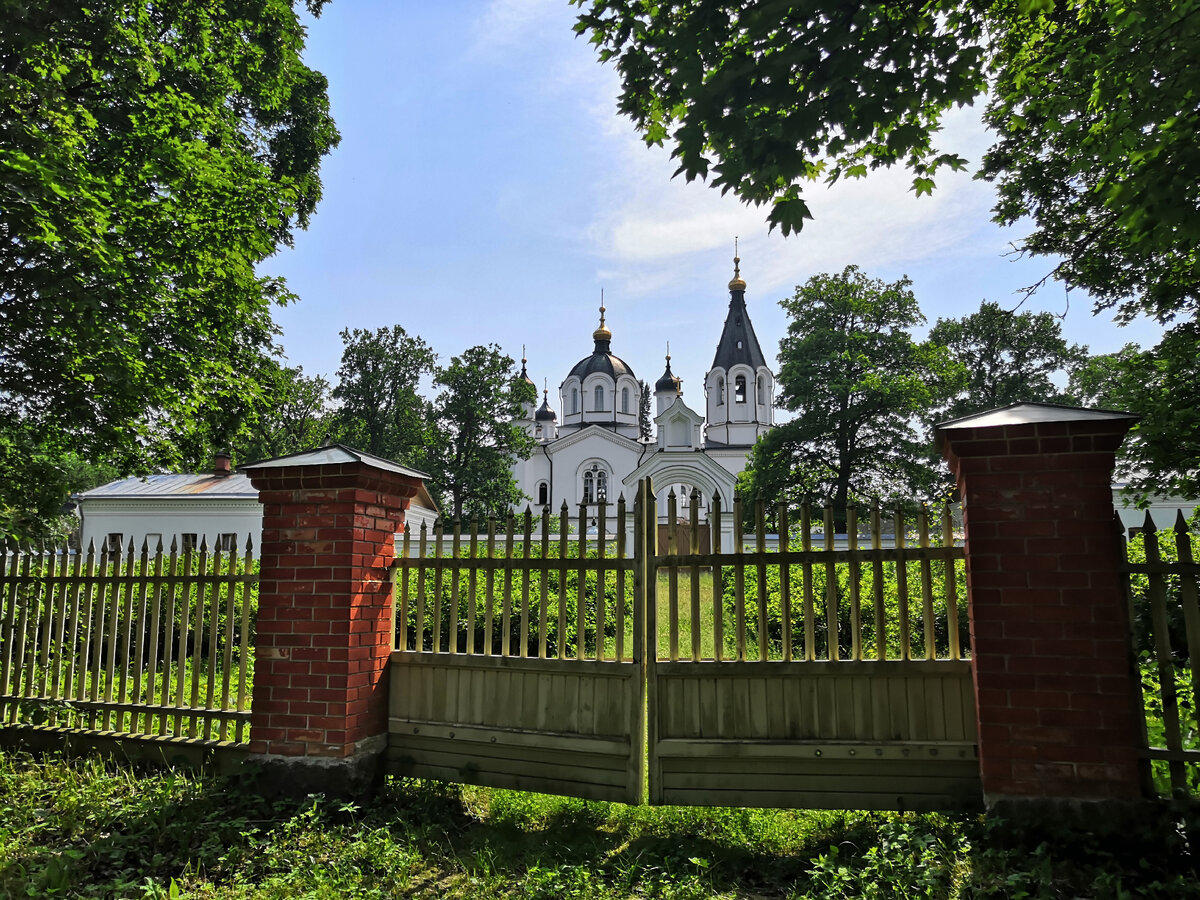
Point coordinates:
[(737, 283), (602, 333)]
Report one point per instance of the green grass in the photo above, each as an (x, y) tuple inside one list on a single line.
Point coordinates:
[(83, 828)]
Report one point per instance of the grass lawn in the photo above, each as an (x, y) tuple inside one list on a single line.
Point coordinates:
[(83, 828)]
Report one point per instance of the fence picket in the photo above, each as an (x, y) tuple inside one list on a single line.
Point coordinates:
[(951, 586), (672, 580), (439, 529), (1162, 650), (455, 585), (926, 584), (694, 573), (810, 615), (581, 586), (739, 580), (856, 651), (714, 529), (619, 610), (601, 576), (760, 544), (785, 583), (902, 584)]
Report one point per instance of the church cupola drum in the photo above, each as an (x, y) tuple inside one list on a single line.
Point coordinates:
[(600, 389), (740, 387)]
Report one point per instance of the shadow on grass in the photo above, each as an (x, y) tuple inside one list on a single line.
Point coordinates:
[(84, 828)]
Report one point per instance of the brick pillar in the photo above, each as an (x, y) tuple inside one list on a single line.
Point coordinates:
[(1054, 689), (319, 710)]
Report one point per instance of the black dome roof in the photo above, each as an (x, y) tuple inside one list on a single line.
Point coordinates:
[(545, 413), (668, 382), (603, 361)]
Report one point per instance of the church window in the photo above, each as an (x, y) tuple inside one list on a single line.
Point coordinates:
[(739, 345), (762, 391), (599, 398), (739, 389), (720, 392), (589, 486), (601, 487), (543, 494), (574, 400), (624, 400)]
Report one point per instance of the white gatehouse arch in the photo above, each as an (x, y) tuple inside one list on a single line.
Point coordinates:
[(697, 470)]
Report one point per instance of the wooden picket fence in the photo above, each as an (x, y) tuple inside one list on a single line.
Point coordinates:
[(139, 643), (1163, 578), (891, 587)]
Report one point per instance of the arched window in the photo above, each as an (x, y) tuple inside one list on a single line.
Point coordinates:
[(720, 392), (574, 400), (739, 389), (589, 487), (624, 400), (601, 487), (543, 494), (762, 391), (599, 397)]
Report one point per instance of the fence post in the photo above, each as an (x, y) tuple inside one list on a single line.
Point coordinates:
[(319, 707), (1054, 687)]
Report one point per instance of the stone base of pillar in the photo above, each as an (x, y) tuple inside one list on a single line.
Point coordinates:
[(354, 777)]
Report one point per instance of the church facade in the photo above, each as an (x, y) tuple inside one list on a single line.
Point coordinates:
[(592, 454)]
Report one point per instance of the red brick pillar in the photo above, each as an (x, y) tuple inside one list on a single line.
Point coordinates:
[(1054, 689), (319, 710)]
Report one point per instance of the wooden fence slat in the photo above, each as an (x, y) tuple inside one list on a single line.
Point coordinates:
[(1157, 592), (561, 635), (831, 588), (739, 580), (472, 586), (439, 535), (855, 572), (527, 551), (455, 585), (59, 564), (139, 644), (951, 585), (1191, 608), (239, 734), (926, 584), (672, 580), (694, 574), (401, 637), (581, 586), (714, 531), (227, 638), (810, 615), (619, 611), (601, 576), (169, 640), (422, 553), (489, 587), (10, 559), (902, 585), (202, 593), (544, 586), (760, 544), (877, 582), (785, 583), (156, 626)]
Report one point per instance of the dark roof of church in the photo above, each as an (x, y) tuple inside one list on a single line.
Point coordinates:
[(545, 413), (668, 382), (738, 343), (602, 360)]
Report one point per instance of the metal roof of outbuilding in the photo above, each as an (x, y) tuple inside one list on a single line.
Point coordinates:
[(236, 486)]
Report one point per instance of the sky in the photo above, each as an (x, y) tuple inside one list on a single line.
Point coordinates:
[(486, 191)]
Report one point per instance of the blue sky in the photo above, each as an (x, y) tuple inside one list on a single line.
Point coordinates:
[(485, 190)]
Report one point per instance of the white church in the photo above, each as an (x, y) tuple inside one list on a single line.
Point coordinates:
[(592, 454)]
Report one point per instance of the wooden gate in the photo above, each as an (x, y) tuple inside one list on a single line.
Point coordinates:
[(828, 677), (809, 681), (518, 666)]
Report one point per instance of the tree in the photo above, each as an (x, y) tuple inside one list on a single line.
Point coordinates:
[(1008, 357), (152, 155), (382, 410), (643, 411), (851, 371), (1095, 113), (1093, 108), (298, 417), (1161, 456), (474, 441)]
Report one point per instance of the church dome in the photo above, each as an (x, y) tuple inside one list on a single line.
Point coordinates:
[(545, 413), (668, 382), (602, 359)]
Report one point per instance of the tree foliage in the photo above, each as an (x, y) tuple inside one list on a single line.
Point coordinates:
[(298, 417), (1093, 109), (1008, 357), (1095, 113), (473, 440), (151, 156), (381, 407), (1161, 456), (761, 96), (643, 411), (857, 381)]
